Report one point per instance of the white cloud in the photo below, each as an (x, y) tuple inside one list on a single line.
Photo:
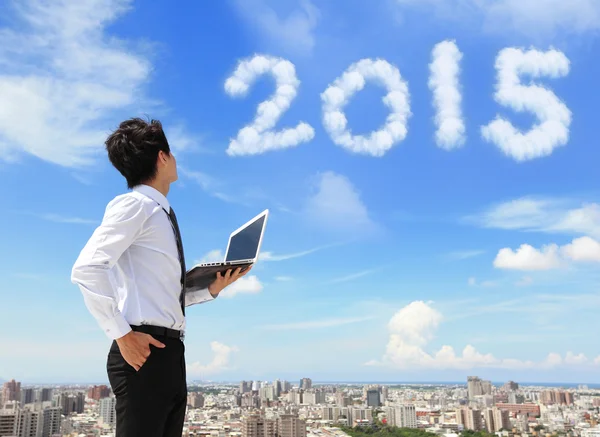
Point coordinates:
[(414, 327), (538, 19), (444, 83), (294, 33), (64, 79), (582, 249), (542, 215), (337, 205), (527, 257), (57, 218), (284, 278), (221, 361), (258, 137), (554, 117), (316, 324), (244, 285), (397, 99), (473, 283), (213, 256)]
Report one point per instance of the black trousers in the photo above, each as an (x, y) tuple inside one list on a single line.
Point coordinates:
[(152, 401)]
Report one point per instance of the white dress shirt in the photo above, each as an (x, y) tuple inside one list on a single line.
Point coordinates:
[(129, 270)]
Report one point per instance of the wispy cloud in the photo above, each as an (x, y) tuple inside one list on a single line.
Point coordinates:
[(464, 254), (57, 218), (294, 33), (270, 256), (284, 278), (316, 324), (67, 77), (336, 205), (211, 186), (537, 214), (353, 276), (537, 19)]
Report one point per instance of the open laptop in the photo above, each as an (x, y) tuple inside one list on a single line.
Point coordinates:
[(242, 251)]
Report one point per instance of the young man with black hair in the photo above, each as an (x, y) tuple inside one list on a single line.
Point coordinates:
[(131, 273)]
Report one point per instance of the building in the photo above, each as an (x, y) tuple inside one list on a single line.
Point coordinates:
[(195, 400), (43, 395), (478, 387), (469, 419), (8, 422), (289, 425), (496, 420), (11, 391), (51, 421), (257, 426), (401, 416), (98, 392), (27, 396), (330, 413), (108, 413), (529, 409), (342, 400), (373, 398), (72, 403), (245, 386), (510, 386), (306, 383)]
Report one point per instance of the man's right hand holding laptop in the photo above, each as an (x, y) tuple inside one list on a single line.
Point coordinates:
[(226, 280)]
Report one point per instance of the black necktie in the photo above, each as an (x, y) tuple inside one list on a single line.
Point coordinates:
[(173, 219)]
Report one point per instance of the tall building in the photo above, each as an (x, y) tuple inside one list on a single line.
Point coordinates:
[(285, 386), (342, 400), (107, 411), (27, 396), (267, 393), (245, 387), (11, 391), (195, 400), (9, 422), (30, 423), (510, 386), (43, 395), (401, 416), (257, 426), (496, 420), (384, 393), (373, 398), (72, 403), (469, 419), (306, 383), (289, 425), (98, 392), (277, 388), (330, 413), (478, 387), (51, 421)]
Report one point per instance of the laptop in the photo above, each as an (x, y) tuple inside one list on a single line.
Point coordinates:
[(242, 251)]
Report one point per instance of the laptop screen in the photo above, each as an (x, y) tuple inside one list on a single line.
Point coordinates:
[(244, 244)]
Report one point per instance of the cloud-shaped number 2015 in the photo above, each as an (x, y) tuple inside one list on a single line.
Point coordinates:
[(550, 132)]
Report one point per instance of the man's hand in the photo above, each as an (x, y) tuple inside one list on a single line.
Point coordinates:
[(223, 281), (135, 348)]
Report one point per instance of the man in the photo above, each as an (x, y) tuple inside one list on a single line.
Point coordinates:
[(132, 276)]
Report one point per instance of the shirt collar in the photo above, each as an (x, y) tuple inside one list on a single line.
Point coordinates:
[(153, 194)]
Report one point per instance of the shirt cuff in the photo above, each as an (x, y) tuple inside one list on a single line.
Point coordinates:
[(116, 327), (198, 296)]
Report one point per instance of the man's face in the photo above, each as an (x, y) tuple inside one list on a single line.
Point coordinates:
[(172, 167)]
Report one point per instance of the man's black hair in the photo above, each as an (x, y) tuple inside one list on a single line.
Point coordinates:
[(133, 149)]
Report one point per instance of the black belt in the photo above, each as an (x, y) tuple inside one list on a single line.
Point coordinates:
[(159, 331)]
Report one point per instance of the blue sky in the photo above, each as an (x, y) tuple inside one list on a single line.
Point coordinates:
[(436, 249)]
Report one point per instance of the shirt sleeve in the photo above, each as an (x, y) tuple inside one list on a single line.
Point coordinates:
[(197, 296), (121, 225)]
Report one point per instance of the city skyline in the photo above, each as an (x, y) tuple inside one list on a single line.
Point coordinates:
[(430, 173)]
